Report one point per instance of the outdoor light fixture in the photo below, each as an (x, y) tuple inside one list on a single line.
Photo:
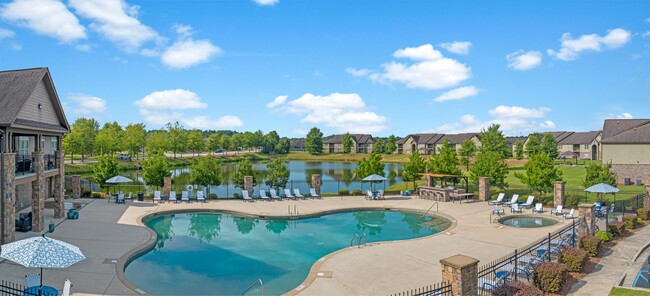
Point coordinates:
[(40, 106)]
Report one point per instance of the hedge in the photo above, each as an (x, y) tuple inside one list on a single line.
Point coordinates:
[(344, 192), (643, 213), (604, 236), (591, 244), (517, 289), (550, 276), (616, 229), (630, 221), (357, 192), (573, 258)]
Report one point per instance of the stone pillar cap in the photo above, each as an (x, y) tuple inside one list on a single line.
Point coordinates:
[(560, 182), (586, 205), (459, 261)]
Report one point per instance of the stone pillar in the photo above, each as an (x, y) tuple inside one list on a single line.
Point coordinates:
[(315, 182), (646, 197), (558, 193), (38, 193), (76, 187), (462, 273), (9, 197), (483, 188), (587, 214), (248, 184), (167, 185), (429, 181), (59, 187)]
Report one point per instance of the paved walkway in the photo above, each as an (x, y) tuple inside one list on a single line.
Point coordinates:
[(613, 266)]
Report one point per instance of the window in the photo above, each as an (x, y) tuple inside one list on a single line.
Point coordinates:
[(586, 146), (23, 146), (54, 145), (42, 143)]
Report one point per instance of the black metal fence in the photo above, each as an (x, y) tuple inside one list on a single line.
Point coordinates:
[(24, 164), (439, 289), (12, 289), (519, 265)]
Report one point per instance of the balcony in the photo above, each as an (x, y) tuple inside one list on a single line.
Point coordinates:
[(25, 164)]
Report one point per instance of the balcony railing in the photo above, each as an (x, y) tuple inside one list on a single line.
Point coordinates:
[(51, 161), (24, 164)]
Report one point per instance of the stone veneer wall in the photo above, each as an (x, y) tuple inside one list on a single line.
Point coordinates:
[(9, 191), (38, 193), (632, 171), (483, 188)]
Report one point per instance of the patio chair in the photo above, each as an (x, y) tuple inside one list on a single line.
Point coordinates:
[(491, 284), (32, 280), (380, 194), (369, 195), (529, 202), (263, 195), (558, 211), (515, 208), (570, 215), (156, 196), (513, 200), (172, 196), (274, 195), (538, 208), (24, 222), (185, 196), (641, 276), (287, 193), (66, 288), (497, 201), (130, 196), (296, 193), (245, 197), (312, 192), (120, 198), (199, 196), (496, 210)]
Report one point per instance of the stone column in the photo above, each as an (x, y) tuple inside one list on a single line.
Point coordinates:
[(9, 192), (248, 184), (483, 188), (76, 187), (558, 193), (315, 182), (59, 187), (429, 180), (462, 273), (646, 197), (587, 214), (38, 193), (167, 185)]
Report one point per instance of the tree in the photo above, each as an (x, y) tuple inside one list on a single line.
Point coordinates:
[(446, 162), (283, 146), (519, 150), (391, 144), (224, 141), (490, 164), (413, 168), (205, 171), (549, 146), (236, 141), (105, 168), (155, 169), (314, 141), (370, 166), (157, 142), (214, 142), (83, 134), (135, 138), (540, 173), (378, 147), (195, 141), (257, 140), (271, 140), (244, 168), (533, 145), (597, 173), (492, 139), (277, 174), (71, 144), (347, 143), (467, 150), (109, 139), (177, 138)]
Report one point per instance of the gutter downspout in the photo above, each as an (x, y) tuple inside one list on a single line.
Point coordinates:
[(2, 191)]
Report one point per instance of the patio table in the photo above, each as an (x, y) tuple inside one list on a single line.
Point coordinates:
[(46, 291)]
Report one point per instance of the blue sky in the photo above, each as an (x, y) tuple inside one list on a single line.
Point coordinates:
[(381, 67)]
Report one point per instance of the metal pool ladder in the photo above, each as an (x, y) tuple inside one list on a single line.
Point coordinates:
[(359, 238), (434, 204), (253, 285)]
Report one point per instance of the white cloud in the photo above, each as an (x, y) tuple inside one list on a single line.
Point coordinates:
[(420, 53), (172, 99), (457, 47), (513, 120), (46, 17), (357, 72), (458, 94), (279, 100), (84, 48), (343, 112), (4, 34), (266, 2), (520, 60), (116, 21), (160, 117), (624, 115), (88, 105), (571, 48), (205, 122), (187, 53)]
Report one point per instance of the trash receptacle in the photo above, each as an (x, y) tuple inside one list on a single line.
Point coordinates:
[(140, 196)]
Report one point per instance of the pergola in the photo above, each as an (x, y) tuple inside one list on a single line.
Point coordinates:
[(431, 179)]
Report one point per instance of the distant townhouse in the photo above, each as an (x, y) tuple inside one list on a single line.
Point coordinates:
[(297, 145), (511, 141), (585, 145), (626, 145), (430, 143), (361, 143)]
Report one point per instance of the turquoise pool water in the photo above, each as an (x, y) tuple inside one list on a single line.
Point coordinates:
[(222, 254)]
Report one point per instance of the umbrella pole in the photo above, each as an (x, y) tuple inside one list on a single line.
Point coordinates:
[(40, 289)]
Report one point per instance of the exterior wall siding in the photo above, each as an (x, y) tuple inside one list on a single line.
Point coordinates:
[(632, 171), (626, 153), (30, 110)]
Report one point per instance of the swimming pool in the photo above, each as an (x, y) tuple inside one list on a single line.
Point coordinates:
[(217, 253), (528, 221)]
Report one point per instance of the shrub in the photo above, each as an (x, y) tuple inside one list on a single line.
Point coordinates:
[(357, 192), (639, 221), (572, 201), (604, 236), (630, 221), (573, 258), (344, 192), (550, 276), (643, 213), (615, 228), (517, 289), (591, 244), (212, 196), (236, 195), (96, 195), (85, 192)]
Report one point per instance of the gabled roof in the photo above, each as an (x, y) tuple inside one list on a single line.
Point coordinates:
[(458, 138), (427, 138), (297, 143), (628, 131), (579, 138), (512, 140), (358, 138)]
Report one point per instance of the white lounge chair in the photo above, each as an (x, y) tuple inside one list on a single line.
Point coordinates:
[(172, 196), (263, 195), (199, 196), (496, 210), (369, 195), (244, 195), (312, 192), (558, 211), (287, 193), (497, 201), (380, 194), (515, 208), (156, 196), (529, 202), (296, 193), (570, 215), (66, 288), (32, 280), (129, 197), (185, 196), (513, 200), (538, 208), (274, 195)]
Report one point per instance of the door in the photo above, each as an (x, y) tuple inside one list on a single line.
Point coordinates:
[(594, 152)]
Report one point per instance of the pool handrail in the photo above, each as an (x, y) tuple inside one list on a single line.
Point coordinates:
[(253, 285), (434, 204), (353, 237)]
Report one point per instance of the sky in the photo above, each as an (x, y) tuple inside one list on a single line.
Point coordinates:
[(381, 67)]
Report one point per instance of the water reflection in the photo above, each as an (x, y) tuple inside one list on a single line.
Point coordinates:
[(163, 227), (245, 225), (413, 223), (204, 227), (370, 222), (277, 226)]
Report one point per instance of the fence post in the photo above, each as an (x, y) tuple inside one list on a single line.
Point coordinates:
[(548, 252), (516, 263), (462, 273), (573, 233)]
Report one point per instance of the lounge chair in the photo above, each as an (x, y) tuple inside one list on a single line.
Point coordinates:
[(172, 196), (369, 195), (274, 195), (312, 192), (380, 194), (32, 280), (497, 201), (513, 200), (66, 288), (558, 211), (199, 196), (496, 210), (263, 195), (185, 196), (244, 195), (538, 208), (129, 197), (515, 208), (296, 193), (156, 196), (499, 279), (570, 215), (529, 202), (287, 194)]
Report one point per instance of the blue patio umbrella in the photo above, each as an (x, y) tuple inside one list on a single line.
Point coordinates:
[(374, 178), (42, 252), (118, 180), (603, 188)]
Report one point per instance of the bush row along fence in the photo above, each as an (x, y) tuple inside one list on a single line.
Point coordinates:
[(439, 289)]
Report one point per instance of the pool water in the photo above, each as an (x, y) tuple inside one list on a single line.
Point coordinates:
[(213, 253), (528, 222)]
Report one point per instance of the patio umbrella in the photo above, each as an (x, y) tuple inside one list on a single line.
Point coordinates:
[(569, 154), (374, 178), (603, 188), (42, 252), (118, 180)]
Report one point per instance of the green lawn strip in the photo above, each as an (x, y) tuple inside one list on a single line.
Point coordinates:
[(627, 292)]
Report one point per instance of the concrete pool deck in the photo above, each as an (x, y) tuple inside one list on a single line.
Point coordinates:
[(106, 232)]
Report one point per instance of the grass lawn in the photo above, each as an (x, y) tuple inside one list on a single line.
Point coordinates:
[(299, 155), (627, 292)]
